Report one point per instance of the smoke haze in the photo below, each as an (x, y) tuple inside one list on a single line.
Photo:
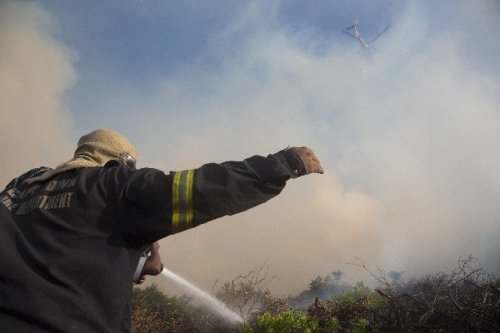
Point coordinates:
[(409, 141), (35, 70)]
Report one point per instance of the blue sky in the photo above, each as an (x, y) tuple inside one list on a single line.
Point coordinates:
[(139, 43), (408, 140)]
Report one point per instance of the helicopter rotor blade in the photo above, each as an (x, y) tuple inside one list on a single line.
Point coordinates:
[(380, 34), (348, 33)]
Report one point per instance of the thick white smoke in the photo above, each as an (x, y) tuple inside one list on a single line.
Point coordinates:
[(409, 142), (35, 70)]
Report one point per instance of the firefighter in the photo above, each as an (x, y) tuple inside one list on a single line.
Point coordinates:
[(71, 237)]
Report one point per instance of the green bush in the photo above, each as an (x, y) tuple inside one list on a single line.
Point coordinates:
[(285, 322), (352, 311), (361, 326)]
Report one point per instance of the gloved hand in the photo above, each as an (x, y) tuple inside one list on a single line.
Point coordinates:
[(311, 162)]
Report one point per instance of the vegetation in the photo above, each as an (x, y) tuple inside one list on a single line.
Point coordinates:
[(465, 299), (285, 322), (154, 312), (321, 287)]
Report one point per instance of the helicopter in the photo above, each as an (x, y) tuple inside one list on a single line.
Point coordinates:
[(355, 33)]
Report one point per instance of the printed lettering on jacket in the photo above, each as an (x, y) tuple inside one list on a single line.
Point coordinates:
[(55, 194)]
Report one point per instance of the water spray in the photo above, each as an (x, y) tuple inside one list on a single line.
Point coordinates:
[(208, 300)]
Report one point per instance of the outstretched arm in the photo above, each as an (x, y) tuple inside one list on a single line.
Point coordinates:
[(174, 202)]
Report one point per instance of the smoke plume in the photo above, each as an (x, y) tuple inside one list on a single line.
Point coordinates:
[(36, 69), (408, 141)]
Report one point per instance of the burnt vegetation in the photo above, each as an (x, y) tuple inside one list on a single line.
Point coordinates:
[(463, 299)]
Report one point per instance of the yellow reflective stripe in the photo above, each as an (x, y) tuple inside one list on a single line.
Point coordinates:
[(189, 196), (175, 199), (182, 200)]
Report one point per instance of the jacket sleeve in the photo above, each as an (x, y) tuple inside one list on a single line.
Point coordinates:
[(215, 190), (152, 204)]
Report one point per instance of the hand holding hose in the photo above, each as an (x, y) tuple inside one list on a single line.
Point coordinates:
[(153, 265)]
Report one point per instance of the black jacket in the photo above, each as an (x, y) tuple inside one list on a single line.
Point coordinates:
[(69, 245)]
